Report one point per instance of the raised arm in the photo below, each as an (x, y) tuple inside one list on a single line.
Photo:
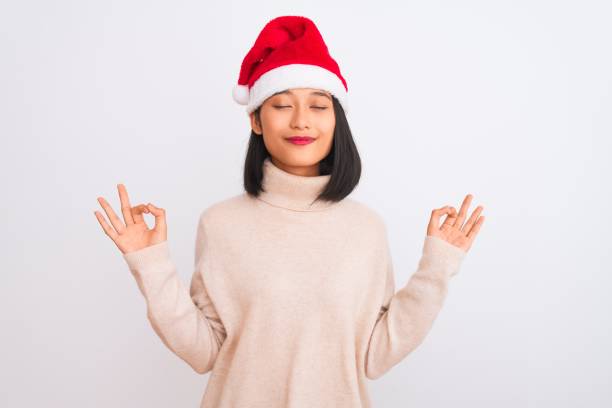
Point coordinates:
[(407, 316), (185, 320)]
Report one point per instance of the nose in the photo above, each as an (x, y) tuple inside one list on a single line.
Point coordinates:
[(300, 118)]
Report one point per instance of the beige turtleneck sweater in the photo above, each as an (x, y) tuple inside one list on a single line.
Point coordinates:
[(292, 304)]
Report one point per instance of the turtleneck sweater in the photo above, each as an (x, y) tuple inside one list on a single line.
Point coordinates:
[(292, 301)]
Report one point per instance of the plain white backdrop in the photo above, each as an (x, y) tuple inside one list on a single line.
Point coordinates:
[(509, 101)]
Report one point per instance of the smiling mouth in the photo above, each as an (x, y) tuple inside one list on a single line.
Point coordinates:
[(301, 140)]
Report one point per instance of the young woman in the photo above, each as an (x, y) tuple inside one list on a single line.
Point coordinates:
[(292, 301)]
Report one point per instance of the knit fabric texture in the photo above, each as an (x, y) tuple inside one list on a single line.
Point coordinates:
[(292, 302)]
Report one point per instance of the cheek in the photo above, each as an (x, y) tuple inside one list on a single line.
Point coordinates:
[(274, 123), (327, 125)]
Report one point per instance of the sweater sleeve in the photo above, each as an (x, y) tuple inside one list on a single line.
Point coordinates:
[(184, 319), (406, 317)]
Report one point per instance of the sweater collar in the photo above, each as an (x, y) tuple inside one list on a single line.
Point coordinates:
[(286, 190)]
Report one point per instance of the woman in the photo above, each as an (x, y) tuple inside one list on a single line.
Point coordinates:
[(292, 301)]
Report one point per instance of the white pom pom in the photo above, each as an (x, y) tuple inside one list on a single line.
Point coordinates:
[(240, 93)]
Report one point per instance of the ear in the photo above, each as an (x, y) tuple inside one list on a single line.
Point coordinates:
[(254, 124)]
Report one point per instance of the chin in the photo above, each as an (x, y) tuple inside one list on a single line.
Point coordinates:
[(300, 159)]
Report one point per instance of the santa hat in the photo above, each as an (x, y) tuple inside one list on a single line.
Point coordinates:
[(288, 53)]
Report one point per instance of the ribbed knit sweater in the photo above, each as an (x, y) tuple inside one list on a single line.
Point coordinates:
[(291, 303)]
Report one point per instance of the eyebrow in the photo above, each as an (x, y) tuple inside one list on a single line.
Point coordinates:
[(287, 91)]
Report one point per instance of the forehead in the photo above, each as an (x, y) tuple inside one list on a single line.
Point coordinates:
[(304, 91)]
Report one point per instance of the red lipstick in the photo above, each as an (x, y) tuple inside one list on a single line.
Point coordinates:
[(300, 140)]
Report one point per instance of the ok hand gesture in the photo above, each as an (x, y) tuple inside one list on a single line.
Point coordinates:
[(452, 230), (135, 234)]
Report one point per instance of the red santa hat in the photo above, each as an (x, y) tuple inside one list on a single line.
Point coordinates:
[(288, 53)]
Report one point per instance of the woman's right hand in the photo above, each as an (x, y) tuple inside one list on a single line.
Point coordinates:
[(135, 234)]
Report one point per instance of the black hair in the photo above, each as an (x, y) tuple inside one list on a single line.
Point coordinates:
[(342, 162)]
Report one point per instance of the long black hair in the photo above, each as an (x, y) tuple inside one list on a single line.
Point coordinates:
[(342, 162)]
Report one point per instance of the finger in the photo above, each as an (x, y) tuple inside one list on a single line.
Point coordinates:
[(160, 217), (436, 214), (126, 207), (468, 225), (137, 213), (107, 228), (463, 210), (114, 220), (450, 218), (474, 231)]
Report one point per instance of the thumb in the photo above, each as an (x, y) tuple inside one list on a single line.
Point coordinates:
[(160, 217)]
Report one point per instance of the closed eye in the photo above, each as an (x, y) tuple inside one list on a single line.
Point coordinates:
[(288, 106)]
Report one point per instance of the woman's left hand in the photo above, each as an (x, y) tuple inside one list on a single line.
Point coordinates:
[(452, 230)]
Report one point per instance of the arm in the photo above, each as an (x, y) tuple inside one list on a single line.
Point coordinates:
[(406, 317), (186, 321)]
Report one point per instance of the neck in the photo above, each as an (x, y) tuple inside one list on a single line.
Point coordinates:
[(291, 191)]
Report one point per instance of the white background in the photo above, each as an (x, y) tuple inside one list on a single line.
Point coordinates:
[(509, 101)]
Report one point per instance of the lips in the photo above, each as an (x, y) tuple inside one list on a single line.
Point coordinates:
[(300, 140)]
